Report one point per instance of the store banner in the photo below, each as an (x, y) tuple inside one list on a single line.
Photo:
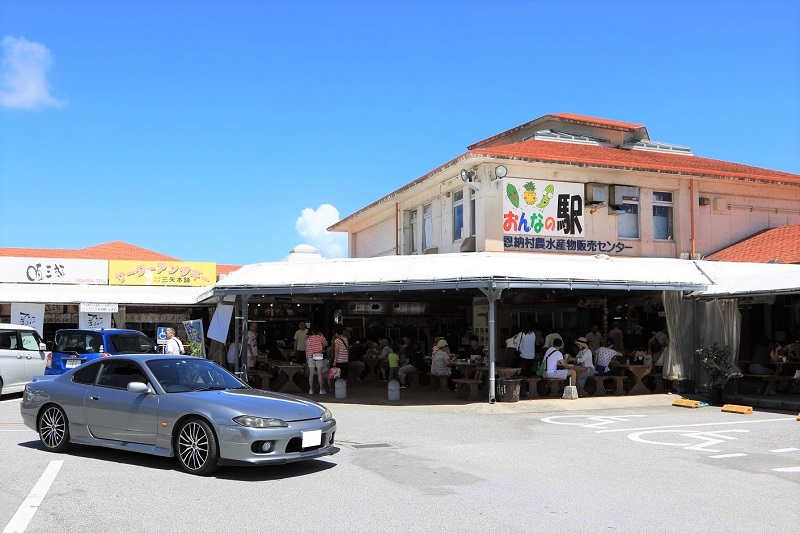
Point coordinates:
[(195, 345), (168, 273), (28, 315), (87, 320), (220, 323), (46, 271), (543, 208)]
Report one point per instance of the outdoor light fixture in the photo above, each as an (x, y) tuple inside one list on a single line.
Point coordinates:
[(467, 175), (500, 172)]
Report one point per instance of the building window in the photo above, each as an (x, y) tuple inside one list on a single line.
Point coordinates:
[(458, 215), (427, 227), (472, 212), (662, 216), (628, 221), (411, 240)]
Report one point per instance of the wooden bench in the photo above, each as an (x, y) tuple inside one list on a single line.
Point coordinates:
[(263, 378), (473, 384), (439, 383), (533, 386), (600, 389)]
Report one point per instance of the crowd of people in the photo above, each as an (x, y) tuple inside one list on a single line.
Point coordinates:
[(326, 359)]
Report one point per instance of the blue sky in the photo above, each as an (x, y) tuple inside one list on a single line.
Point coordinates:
[(233, 131)]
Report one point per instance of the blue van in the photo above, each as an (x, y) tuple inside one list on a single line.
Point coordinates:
[(73, 347)]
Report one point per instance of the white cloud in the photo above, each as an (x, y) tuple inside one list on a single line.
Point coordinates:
[(312, 224), (23, 75)]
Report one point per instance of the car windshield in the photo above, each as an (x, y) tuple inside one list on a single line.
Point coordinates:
[(190, 374)]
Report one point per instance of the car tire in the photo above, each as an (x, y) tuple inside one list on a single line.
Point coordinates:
[(196, 447), (54, 429)]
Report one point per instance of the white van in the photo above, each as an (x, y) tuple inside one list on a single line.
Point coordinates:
[(23, 355)]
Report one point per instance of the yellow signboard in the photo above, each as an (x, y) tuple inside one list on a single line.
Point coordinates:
[(172, 273)]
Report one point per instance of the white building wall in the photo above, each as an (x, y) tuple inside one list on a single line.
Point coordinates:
[(715, 226)]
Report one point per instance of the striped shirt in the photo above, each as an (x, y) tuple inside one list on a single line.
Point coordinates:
[(344, 350), (315, 344)]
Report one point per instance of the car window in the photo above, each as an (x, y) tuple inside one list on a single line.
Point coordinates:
[(78, 342), (146, 345), (126, 343), (30, 340), (86, 374), (185, 375), (118, 374), (8, 340)]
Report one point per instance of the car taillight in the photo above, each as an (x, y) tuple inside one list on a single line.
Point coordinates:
[(105, 354), (49, 360)]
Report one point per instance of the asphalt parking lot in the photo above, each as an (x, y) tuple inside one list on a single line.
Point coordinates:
[(622, 464)]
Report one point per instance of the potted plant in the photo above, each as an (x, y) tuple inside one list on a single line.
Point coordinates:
[(715, 361)]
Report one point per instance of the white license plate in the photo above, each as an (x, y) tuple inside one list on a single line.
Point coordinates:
[(312, 438), (72, 363)]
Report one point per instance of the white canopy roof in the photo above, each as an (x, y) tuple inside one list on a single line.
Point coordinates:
[(119, 294), (748, 279), (463, 270)]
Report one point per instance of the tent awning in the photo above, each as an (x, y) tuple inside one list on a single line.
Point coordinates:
[(748, 279), (119, 294), (463, 270)]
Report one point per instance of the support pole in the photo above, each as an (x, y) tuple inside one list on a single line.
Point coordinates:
[(492, 294)]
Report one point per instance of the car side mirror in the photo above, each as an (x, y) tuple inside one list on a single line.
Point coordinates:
[(138, 387), (43, 347)]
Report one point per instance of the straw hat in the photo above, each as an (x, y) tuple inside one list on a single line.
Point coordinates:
[(580, 342), (442, 343)]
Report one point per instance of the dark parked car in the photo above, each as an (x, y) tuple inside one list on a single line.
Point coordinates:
[(175, 406), (73, 347)]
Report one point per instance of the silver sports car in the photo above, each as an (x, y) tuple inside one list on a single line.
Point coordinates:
[(178, 406)]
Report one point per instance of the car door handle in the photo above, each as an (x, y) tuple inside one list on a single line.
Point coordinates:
[(94, 397)]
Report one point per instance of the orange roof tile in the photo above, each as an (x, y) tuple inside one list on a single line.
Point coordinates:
[(776, 244), (644, 160), (111, 250)]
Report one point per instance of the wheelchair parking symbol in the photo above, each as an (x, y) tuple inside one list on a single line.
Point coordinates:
[(586, 421), (689, 440)]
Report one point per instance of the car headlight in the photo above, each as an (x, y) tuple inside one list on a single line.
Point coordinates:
[(258, 422), (327, 416)]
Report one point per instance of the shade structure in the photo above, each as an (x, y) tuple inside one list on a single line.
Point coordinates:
[(748, 279), (119, 294), (463, 270)]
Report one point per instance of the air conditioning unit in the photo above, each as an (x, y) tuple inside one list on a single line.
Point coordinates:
[(595, 193), (617, 194), (468, 245)]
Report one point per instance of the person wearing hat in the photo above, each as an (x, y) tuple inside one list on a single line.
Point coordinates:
[(584, 359), (442, 362)]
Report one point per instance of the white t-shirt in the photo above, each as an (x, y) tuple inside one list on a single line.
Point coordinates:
[(553, 357), (300, 340), (548, 341), (584, 358), (527, 345), (174, 346)]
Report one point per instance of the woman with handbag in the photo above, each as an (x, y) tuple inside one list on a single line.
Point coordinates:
[(315, 358), (341, 357)]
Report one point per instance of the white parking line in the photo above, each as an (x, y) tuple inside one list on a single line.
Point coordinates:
[(24, 514), (726, 455), (790, 469), (784, 450), (697, 425)]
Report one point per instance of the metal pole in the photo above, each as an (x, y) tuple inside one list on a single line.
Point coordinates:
[(492, 294)]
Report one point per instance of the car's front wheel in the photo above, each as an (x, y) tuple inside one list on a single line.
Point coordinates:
[(196, 447), (54, 429)]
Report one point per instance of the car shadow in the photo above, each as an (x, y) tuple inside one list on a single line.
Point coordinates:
[(237, 473)]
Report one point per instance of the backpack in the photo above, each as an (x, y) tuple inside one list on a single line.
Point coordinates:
[(543, 364)]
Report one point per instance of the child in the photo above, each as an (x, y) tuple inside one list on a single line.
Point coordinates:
[(394, 364)]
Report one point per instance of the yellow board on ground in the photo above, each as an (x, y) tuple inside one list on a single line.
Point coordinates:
[(681, 402), (741, 409)]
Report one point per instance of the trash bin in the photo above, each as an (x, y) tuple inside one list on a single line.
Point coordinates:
[(508, 390)]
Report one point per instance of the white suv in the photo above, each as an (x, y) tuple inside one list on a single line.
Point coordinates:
[(22, 356)]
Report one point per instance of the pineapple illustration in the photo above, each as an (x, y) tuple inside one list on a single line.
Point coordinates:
[(529, 194)]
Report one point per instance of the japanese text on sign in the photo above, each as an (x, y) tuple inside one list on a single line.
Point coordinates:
[(161, 273)]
